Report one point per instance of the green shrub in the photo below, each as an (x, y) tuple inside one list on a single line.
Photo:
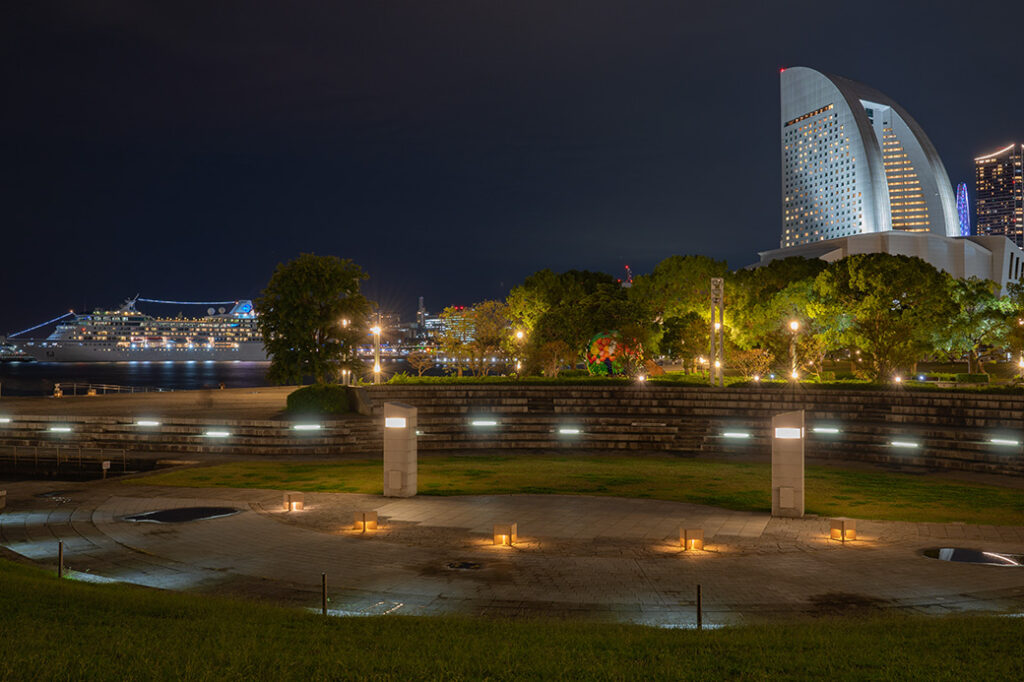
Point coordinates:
[(972, 378), (319, 399), (939, 376)]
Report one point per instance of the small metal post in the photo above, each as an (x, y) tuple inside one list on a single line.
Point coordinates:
[(323, 593), (700, 610), (60, 559)]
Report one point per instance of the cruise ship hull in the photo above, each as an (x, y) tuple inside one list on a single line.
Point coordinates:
[(72, 351)]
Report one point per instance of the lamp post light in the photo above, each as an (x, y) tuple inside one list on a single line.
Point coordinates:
[(376, 351), (520, 336), (794, 327)]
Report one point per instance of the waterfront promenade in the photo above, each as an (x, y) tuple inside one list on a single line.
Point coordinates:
[(233, 403)]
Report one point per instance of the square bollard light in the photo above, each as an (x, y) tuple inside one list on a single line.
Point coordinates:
[(788, 464), (506, 534), (365, 520), (691, 538), (294, 501), (399, 450), (844, 529)]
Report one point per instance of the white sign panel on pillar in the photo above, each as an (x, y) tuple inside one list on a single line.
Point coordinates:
[(399, 450), (788, 464)]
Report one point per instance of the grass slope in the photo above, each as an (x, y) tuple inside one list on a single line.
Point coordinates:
[(67, 630), (732, 485)]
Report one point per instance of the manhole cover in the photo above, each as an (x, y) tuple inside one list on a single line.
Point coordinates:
[(182, 514), (464, 565), (974, 556)]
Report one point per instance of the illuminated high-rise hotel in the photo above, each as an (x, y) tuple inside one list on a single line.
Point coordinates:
[(855, 162), (999, 190)]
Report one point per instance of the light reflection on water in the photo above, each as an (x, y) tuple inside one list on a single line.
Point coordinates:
[(38, 378)]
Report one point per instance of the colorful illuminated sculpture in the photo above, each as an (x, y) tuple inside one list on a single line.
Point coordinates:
[(607, 354)]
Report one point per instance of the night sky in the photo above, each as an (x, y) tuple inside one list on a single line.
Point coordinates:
[(180, 150)]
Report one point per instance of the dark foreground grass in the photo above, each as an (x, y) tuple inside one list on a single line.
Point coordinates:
[(742, 486), (74, 631)]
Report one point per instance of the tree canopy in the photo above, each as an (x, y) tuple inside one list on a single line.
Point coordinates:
[(312, 316), (887, 307)]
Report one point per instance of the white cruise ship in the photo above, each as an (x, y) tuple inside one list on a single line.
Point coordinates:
[(126, 335)]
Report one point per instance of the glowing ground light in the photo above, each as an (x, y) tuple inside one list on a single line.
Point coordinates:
[(1004, 441), (60, 429), (217, 434), (825, 429), (147, 422), (483, 422), (569, 432), (306, 427), (903, 444), (736, 434), (5, 420)]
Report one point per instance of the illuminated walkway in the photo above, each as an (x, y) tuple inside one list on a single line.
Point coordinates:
[(595, 557)]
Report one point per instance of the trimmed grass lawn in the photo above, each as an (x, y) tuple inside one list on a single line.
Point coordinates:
[(69, 630), (731, 485)]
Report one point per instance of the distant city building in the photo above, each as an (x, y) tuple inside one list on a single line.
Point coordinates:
[(963, 209), (999, 193), (854, 162), (995, 258)]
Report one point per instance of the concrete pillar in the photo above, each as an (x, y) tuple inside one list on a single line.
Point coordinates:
[(788, 464), (399, 450)]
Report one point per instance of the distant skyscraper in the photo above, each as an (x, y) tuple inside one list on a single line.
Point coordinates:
[(855, 162), (1000, 193), (963, 209)]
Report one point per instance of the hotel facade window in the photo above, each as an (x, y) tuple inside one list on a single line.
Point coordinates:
[(999, 193), (854, 162)]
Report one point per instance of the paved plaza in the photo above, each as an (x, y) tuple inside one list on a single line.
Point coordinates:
[(598, 558)]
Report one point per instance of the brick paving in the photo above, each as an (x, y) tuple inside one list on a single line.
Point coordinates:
[(591, 557)]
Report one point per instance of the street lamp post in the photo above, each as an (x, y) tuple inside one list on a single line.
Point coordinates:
[(520, 335), (376, 351), (794, 327)]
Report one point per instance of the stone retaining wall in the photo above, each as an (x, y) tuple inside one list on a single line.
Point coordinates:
[(952, 430)]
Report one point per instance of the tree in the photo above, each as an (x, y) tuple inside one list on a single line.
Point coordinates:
[(302, 315), (754, 362), (678, 285), (981, 319), (456, 334), (420, 360), (760, 302), (553, 356), (490, 333), (685, 338), (887, 307)]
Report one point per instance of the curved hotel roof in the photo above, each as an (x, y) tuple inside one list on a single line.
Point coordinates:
[(855, 162)]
